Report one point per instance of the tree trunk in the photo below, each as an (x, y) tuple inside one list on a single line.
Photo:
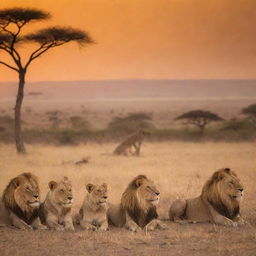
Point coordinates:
[(201, 127), (18, 131)]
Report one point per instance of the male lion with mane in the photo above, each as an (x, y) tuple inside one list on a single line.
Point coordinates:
[(138, 207), (19, 205), (55, 211), (93, 213), (218, 203)]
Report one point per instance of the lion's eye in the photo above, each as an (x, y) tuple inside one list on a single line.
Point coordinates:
[(62, 190), (27, 188), (231, 182)]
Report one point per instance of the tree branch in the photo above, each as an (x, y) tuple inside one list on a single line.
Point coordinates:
[(9, 66), (37, 53)]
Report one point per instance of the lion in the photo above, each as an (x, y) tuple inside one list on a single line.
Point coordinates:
[(133, 142), (55, 211), (138, 208), (218, 203), (19, 205), (93, 213)]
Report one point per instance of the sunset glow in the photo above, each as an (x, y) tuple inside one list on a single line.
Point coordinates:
[(148, 39)]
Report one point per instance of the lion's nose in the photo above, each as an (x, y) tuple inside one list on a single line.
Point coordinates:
[(36, 196), (157, 193), (105, 197), (241, 189), (70, 198)]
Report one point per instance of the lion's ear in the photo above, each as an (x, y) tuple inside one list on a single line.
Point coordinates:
[(227, 170), (66, 180), (52, 184), (105, 185), (89, 187), (16, 181), (139, 181), (218, 176)]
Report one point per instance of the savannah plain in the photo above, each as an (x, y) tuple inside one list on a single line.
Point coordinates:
[(178, 168)]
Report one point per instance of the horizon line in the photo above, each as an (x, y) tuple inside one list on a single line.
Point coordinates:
[(136, 79)]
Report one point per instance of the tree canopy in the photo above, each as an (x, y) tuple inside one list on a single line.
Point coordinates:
[(199, 118), (130, 123), (12, 22)]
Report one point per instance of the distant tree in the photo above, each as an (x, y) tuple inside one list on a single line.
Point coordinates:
[(12, 22), (250, 112), (236, 124), (78, 122), (6, 121), (54, 118), (199, 118), (133, 122)]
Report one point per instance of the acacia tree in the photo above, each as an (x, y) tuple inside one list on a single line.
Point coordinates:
[(12, 22), (199, 118), (131, 123), (250, 112)]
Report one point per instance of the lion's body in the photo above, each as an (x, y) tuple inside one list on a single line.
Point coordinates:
[(138, 206), (19, 204), (131, 145), (55, 211), (218, 203), (93, 213)]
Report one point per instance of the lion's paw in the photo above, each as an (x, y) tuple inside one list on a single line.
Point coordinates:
[(133, 228), (103, 229), (70, 228), (41, 227), (162, 226)]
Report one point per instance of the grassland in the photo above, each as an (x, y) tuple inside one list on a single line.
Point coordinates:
[(179, 169)]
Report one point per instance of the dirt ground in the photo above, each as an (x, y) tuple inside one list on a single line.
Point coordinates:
[(189, 239), (179, 170)]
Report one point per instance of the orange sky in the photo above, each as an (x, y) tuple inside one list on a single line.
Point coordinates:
[(148, 39)]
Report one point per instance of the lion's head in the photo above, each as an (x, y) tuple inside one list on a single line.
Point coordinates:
[(22, 191), (224, 191), (140, 199), (97, 194), (61, 192)]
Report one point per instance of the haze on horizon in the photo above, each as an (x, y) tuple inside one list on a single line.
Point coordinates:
[(148, 39)]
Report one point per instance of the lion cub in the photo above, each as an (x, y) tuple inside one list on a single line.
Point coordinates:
[(92, 214), (55, 212)]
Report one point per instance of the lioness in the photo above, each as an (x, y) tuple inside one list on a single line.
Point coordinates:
[(218, 203), (19, 205), (133, 142), (55, 211), (138, 206), (92, 214)]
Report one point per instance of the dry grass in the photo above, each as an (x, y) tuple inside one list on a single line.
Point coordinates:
[(179, 169)]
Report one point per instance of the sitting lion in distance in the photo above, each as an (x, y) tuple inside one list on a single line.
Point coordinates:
[(218, 203), (55, 211), (93, 213), (19, 205), (138, 208)]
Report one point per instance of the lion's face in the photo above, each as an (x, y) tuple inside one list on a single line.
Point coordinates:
[(231, 185), (147, 191), (62, 192), (27, 192), (228, 184), (98, 193)]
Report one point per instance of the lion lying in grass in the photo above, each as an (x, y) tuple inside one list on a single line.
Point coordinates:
[(93, 213), (218, 203), (55, 212), (20, 203), (138, 208)]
